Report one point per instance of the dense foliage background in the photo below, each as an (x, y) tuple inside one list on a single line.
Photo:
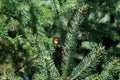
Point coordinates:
[(59, 39)]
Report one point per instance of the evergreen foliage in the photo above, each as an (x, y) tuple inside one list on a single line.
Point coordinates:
[(59, 39)]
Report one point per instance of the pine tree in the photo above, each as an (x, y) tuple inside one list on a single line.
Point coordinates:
[(87, 35)]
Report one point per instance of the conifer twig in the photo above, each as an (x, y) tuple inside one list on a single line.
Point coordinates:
[(84, 68), (76, 19), (57, 11), (47, 69), (85, 63)]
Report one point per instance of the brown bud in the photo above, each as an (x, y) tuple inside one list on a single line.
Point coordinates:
[(56, 40)]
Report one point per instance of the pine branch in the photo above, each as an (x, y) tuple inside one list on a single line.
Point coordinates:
[(91, 77), (47, 62), (55, 5), (106, 73), (54, 74), (76, 20), (85, 63), (69, 42), (47, 69), (66, 5)]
